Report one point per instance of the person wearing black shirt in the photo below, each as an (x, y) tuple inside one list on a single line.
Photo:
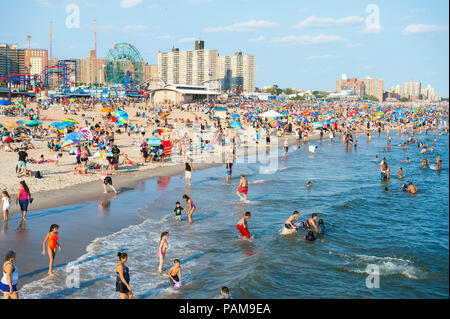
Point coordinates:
[(23, 156)]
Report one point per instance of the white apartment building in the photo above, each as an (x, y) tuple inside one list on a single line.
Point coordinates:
[(200, 65)]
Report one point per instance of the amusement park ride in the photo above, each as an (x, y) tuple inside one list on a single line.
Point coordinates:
[(123, 74)]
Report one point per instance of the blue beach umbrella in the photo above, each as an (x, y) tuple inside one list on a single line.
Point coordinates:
[(235, 116), (236, 124), (74, 136), (6, 102), (33, 123)]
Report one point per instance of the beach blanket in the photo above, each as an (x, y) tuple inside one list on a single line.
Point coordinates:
[(167, 148)]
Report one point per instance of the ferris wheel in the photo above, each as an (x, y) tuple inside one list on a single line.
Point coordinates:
[(123, 66)]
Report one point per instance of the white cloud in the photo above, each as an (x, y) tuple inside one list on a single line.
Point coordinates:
[(188, 39), (308, 39), (129, 3), (313, 21), (258, 39), (423, 28), (252, 25), (322, 57)]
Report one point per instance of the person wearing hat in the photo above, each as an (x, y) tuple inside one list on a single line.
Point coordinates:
[(8, 283)]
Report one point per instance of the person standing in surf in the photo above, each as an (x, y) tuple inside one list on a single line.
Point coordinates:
[(123, 277), (242, 188), (188, 172), (190, 207), (163, 245), (242, 225), (52, 239)]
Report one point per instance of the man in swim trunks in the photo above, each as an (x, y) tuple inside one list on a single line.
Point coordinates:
[(242, 188), (289, 222), (242, 225), (310, 222)]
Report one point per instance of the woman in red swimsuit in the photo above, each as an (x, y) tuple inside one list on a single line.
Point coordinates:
[(52, 239)]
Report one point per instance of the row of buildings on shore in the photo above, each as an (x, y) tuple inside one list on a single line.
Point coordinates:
[(353, 88), (196, 67)]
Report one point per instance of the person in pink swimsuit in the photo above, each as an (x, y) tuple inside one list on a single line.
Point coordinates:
[(163, 245)]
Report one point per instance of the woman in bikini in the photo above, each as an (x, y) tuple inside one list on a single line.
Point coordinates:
[(52, 239), (190, 207), (163, 245)]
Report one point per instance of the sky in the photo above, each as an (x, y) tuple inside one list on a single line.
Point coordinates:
[(299, 44)]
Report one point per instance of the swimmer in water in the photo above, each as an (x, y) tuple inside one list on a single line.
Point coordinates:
[(310, 236), (225, 293), (376, 159), (175, 274), (52, 239), (321, 227), (425, 163), (407, 160), (286, 147), (386, 190), (309, 184), (242, 225), (242, 188), (123, 277), (438, 159), (400, 173), (310, 222), (412, 188), (423, 151), (289, 223)]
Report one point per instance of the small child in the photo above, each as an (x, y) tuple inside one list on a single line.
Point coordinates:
[(225, 293), (5, 205), (309, 184), (108, 181), (177, 211), (57, 157), (175, 274), (321, 227)]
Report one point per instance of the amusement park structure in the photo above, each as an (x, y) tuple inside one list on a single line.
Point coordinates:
[(124, 66)]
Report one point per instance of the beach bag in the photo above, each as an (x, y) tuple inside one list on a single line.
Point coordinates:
[(37, 174)]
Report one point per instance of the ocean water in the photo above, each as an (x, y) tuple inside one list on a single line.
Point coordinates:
[(405, 236)]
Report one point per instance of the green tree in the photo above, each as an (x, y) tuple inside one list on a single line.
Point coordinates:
[(288, 91)]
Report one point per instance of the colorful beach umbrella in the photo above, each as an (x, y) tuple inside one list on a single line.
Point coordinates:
[(70, 120), (107, 110), (236, 124), (33, 123), (6, 102), (159, 131), (74, 136)]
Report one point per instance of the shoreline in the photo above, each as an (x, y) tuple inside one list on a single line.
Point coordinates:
[(123, 181)]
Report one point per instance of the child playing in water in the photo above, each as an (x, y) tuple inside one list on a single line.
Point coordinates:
[(5, 205), (321, 227), (242, 225), (289, 224), (175, 274), (177, 211), (310, 222)]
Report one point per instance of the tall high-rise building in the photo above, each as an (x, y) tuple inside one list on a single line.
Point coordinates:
[(374, 87), (12, 59), (201, 65)]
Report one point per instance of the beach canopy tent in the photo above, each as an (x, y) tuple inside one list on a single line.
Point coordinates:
[(271, 113)]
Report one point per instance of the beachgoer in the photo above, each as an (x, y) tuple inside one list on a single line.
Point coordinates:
[(242, 225), (52, 239), (123, 277), (8, 283), (289, 222), (242, 188), (177, 211), (6, 204), (163, 245), (412, 188), (23, 198), (225, 293), (310, 222), (108, 181), (321, 227), (309, 184), (190, 207), (310, 236), (175, 274), (188, 172)]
